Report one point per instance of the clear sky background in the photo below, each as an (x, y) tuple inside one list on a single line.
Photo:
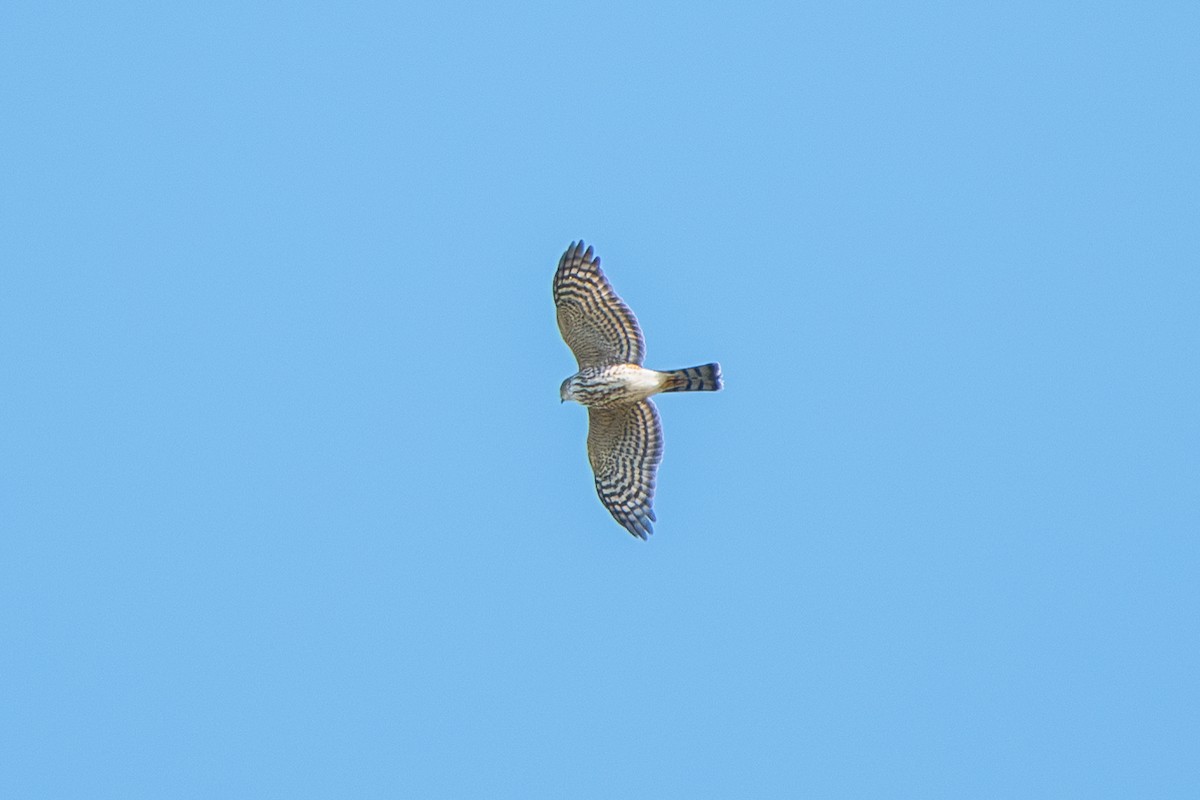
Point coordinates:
[(289, 504)]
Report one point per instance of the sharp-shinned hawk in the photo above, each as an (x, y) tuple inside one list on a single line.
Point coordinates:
[(625, 442)]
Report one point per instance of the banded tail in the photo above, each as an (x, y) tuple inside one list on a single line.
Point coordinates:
[(705, 378)]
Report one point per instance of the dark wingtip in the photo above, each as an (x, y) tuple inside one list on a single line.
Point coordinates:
[(641, 527), (579, 250)]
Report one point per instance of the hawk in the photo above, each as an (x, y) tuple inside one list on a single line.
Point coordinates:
[(625, 442)]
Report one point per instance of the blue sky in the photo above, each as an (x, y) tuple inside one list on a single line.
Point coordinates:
[(291, 508)]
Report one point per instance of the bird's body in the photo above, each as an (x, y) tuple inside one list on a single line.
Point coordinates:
[(628, 383), (624, 432), (613, 384)]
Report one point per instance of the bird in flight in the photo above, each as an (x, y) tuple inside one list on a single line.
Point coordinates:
[(625, 442)]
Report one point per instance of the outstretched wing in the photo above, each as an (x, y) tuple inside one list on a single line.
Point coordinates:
[(595, 323), (625, 446)]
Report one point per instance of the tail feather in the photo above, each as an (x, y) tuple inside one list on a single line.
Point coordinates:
[(705, 378)]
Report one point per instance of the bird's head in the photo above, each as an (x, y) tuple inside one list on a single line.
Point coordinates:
[(567, 390)]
